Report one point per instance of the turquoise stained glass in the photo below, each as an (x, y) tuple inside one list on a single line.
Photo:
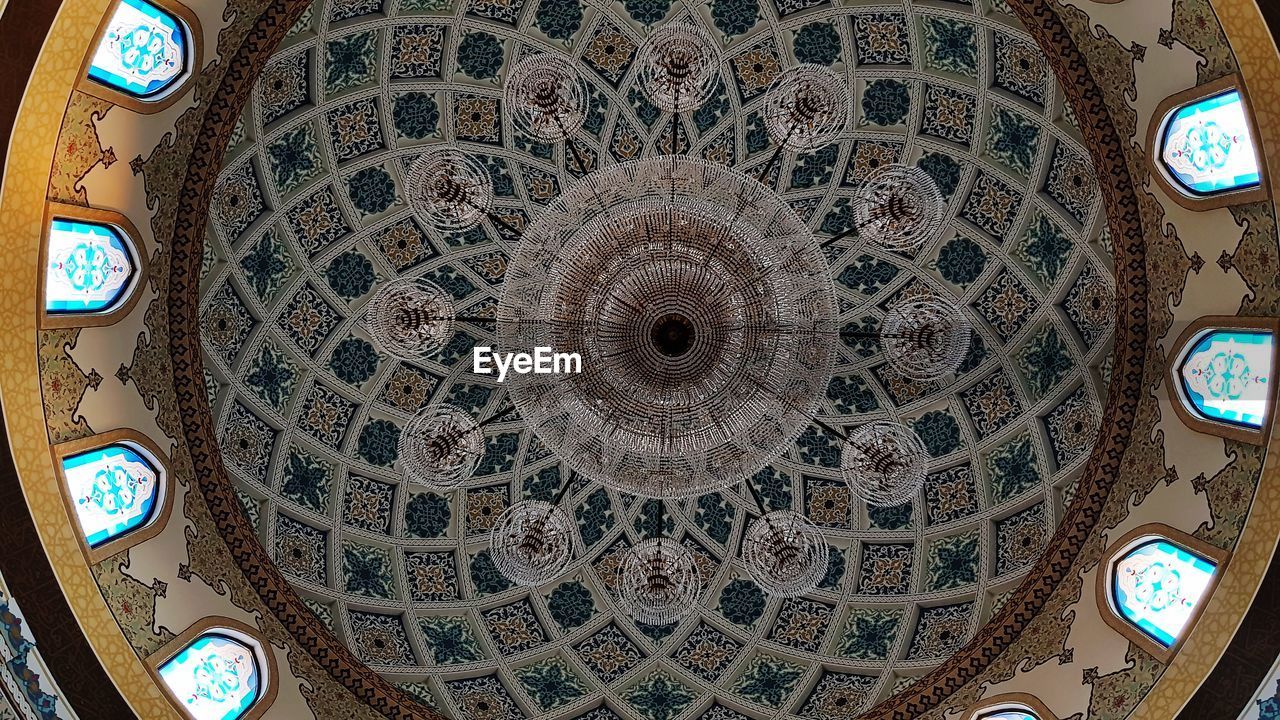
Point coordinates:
[(90, 267), (216, 677), (1226, 376), (1008, 715), (1207, 147), (114, 488), (143, 51), (1156, 587)]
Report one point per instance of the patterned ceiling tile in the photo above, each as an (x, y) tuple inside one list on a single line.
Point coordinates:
[(940, 630), (953, 562), (381, 639), (658, 696), (309, 411), (870, 633), (767, 680), (432, 576), (450, 640), (1019, 539), (483, 697), (839, 696)]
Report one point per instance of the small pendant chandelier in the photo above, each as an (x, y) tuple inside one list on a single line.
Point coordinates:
[(532, 542), (659, 581), (785, 554), (884, 463), (440, 446)]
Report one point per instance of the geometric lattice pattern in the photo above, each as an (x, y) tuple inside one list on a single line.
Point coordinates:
[(311, 216)]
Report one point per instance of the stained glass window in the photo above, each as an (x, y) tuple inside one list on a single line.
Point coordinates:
[(1207, 148), (115, 490), (1226, 376), (216, 677), (1007, 715), (1156, 587), (90, 267), (143, 51)]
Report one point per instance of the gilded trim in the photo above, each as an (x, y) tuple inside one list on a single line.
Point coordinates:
[(22, 208), (1259, 66)]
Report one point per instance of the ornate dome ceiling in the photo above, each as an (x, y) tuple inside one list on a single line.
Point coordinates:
[(309, 215)]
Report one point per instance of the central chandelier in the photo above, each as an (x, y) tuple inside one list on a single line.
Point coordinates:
[(704, 314)]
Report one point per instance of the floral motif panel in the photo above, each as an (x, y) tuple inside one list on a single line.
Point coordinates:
[(114, 489), (1226, 376), (216, 677), (89, 269), (143, 51)]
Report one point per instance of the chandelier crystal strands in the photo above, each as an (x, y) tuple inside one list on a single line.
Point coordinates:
[(785, 554), (440, 446), (927, 338), (678, 65), (898, 208), (449, 190), (806, 107), (532, 542), (547, 96), (410, 318), (658, 582), (884, 463), (704, 315)]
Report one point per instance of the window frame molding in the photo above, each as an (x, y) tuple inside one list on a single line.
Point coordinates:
[(1135, 537), (132, 294), (165, 489), (1182, 405), (167, 97), (232, 628), (1155, 134), (1016, 701)]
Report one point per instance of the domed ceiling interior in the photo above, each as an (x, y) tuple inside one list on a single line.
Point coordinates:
[(310, 216)]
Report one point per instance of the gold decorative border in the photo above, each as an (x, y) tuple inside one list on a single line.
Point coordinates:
[(1159, 120), (1155, 531), (166, 99), (1193, 332), (267, 693), (22, 205), (160, 517), (137, 253), (1259, 65)]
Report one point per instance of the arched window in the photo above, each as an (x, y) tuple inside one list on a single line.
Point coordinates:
[(1010, 706), (116, 486), (1205, 147), (1157, 581), (115, 489), (1222, 376), (146, 50), (217, 670), (92, 266), (1010, 714)]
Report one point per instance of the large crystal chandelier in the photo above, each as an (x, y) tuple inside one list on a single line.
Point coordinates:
[(704, 314)]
